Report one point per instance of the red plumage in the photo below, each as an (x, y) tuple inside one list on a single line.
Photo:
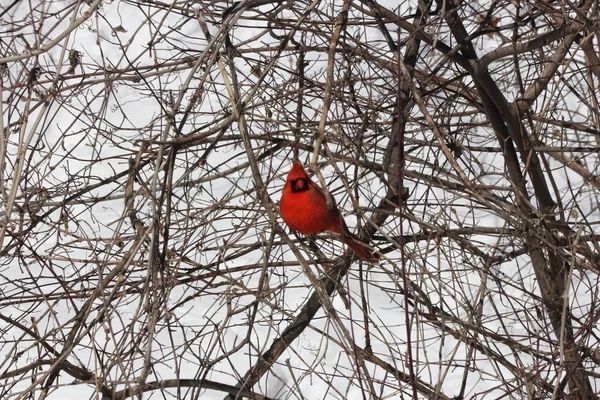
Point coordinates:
[(304, 209)]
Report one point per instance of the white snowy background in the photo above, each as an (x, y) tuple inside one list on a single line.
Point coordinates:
[(80, 290)]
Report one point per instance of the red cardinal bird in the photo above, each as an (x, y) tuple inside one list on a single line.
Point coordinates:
[(304, 209)]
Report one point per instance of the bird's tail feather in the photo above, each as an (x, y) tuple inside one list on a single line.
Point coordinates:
[(360, 248)]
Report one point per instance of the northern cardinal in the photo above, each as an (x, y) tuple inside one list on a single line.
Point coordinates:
[(304, 209)]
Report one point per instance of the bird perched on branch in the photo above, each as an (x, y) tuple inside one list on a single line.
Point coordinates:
[(304, 209)]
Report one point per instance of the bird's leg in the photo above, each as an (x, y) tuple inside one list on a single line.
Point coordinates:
[(312, 243)]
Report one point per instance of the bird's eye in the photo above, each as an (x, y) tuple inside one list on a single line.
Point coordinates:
[(299, 185)]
